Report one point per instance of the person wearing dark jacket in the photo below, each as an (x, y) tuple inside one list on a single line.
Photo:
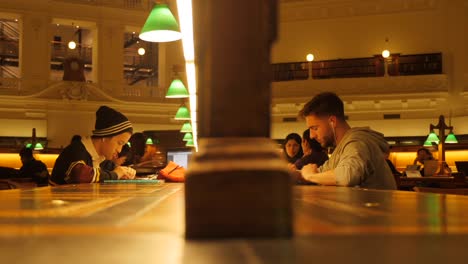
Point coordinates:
[(33, 168), (313, 152), (80, 161)]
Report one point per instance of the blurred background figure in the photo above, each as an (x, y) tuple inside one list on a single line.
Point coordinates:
[(117, 161), (313, 152), (422, 155), (390, 164), (292, 148), (33, 168), (137, 149)]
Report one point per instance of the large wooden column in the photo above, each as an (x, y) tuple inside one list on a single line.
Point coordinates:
[(237, 184)]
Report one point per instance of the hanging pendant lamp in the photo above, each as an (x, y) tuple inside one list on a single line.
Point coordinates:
[(182, 114), (187, 137), (177, 90), (160, 26), (186, 127), (190, 143)]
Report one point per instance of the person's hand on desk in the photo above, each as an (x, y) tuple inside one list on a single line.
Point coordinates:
[(299, 175), (311, 174), (310, 169), (292, 167), (125, 173)]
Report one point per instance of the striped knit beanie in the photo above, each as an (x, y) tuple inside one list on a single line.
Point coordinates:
[(110, 122)]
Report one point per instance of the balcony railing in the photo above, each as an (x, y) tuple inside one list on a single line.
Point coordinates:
[(359, 67)]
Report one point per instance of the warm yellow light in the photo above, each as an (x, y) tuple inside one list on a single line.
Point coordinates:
[(186, 27), (184, 8), (141, 51), (72, 44), (310, 57), (385, 53)]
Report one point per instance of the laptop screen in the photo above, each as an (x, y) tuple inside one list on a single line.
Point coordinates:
[(181, 157)]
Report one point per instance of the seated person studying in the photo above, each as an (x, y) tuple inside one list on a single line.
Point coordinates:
[(80, 161), (313, 152), (422, 155), (358, 158), (33, 168)]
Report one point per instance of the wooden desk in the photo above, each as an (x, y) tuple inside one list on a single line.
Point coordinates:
[(442, 181), (130, 223)]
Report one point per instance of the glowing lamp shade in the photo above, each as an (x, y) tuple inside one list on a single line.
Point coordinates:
[(182, 114), (160, 26), (451, 139), (141, 51), (427, 144), (38, 146), (186, 128), (310, 57), (385, 53), (129, 144), (187, 137), (149, 141), (190, 143), (177, 90), (433, 137), (72, 44)]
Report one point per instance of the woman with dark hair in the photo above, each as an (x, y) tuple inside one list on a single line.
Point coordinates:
[(292, 147), (313, 152), (422, 155)]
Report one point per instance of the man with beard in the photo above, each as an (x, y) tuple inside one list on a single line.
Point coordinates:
[(358, 158)]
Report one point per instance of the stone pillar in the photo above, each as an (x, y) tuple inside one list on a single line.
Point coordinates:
[(108, 55), (237, 185), (34, 47)]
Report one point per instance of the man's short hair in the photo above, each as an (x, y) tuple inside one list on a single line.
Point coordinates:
[(324, 104)]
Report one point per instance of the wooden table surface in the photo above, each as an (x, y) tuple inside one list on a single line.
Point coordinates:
[(144, 223)]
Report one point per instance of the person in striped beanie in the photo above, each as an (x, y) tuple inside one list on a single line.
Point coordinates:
[(80, 162)]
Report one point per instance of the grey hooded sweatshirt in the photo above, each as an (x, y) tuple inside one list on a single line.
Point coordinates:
[(358, 160)]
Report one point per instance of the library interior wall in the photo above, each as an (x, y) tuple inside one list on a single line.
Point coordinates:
[(362, 36), (390, 128)]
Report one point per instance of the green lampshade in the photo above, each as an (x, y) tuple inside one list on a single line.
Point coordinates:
[(187, 137), (186, 127), (451, 138), (182, 114), (427, 144), (433, 138), (160, 26), (190, 143), (38, 146), (149, 141), (177, 90)]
